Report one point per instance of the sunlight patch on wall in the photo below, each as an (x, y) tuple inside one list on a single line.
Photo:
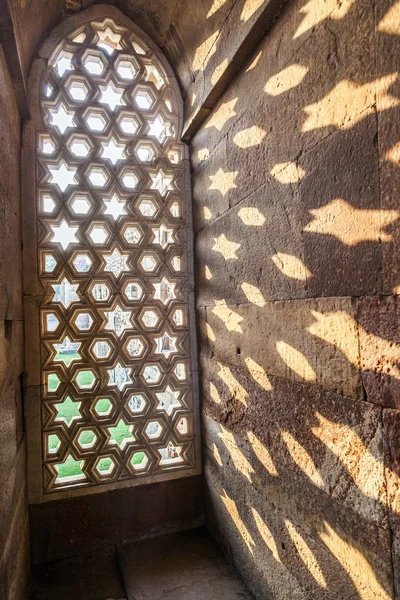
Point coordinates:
[(210, 333), (306, 554), (291, 266), (203, 154), (391, 21), (364, 467), (253, 136), (355, 564), (339, 329), (252, 293), (230, 506), (393, 154), (287, 172), (285, 80), (350, 225), (216, 455), (240, 462), (349, 103), (296, 361), (266, 534), (207, 214), (251, 216), (222, 115), (230, 319), (316, 11), (223, 181), (236, 390), (262, 454), (250, 8), (302, 459), (204, 52), (216, 5), (258, 373), (207, 273), (254, 62), (215, 394), (219, 71), (225, 247)]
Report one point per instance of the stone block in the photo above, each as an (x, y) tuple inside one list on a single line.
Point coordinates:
[(312, 341)]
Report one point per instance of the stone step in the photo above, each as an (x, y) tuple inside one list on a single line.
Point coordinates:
[(183, 566)]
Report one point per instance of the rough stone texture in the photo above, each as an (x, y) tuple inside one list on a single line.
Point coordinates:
[(295, 180), (13, 501), (184, 566)]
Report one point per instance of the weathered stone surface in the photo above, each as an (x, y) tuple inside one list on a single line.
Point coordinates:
[(184, 566), (282, 546), (311, 341), (379, 334)]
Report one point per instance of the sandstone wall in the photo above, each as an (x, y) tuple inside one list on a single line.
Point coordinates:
[(13, 503), (296, 177)]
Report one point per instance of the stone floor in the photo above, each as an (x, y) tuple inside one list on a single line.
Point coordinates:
[(184, 566)]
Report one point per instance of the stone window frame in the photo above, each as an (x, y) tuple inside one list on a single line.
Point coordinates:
[(33, 288)]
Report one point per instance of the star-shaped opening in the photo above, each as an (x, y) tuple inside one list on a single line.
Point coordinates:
[(111, 95), (118, 320), (119, 376), (113, 151), (68, 411), (161, 182), (115, 207), (121, 435), (116, 262), (165, 345), (63, 176), (70, 470), (163, 236), (160, 129), (164, 291), (109, 40), (65, 292), (61, 118), (168, 400), (67, 351), (64, 234)]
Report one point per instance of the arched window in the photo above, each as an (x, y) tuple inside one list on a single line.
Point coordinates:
[(113, 287)]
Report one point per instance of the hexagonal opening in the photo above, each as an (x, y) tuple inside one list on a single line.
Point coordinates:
[(80, 204), (53, 443), (53, 382), (128, 122), (148, 262), (135, 347), (133, 291), (83, 321), (96, 120), (100, 292), (80, 146), (129, 179), (137, 404), (147, 207), (154, 430), (152, 374), (51, 322), (82, 263), (139, 461), (87, 439), (94, 62), (105, 466), (126, 68), (78, 89), (98, 234), (98, 176), (144, 99), (132, 234), (103, 407), (101, 349), (150, 318), (85, 379)]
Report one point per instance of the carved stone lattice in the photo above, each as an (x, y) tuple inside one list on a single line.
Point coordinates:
[(117, 397)]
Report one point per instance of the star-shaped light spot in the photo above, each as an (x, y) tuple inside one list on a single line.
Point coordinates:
[(225, 247), (109, 40), (121, 435), (112, 151), (351, 226), (223, 182), (163, 236), (164, 291), (165, 345), (168, 400), (65, 292), (61, 118), (115, 207), (63, 176), (64, 234), (220, 117), (116, 262), (111, 96), (161, 182), (118, 320), (119, 376)]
